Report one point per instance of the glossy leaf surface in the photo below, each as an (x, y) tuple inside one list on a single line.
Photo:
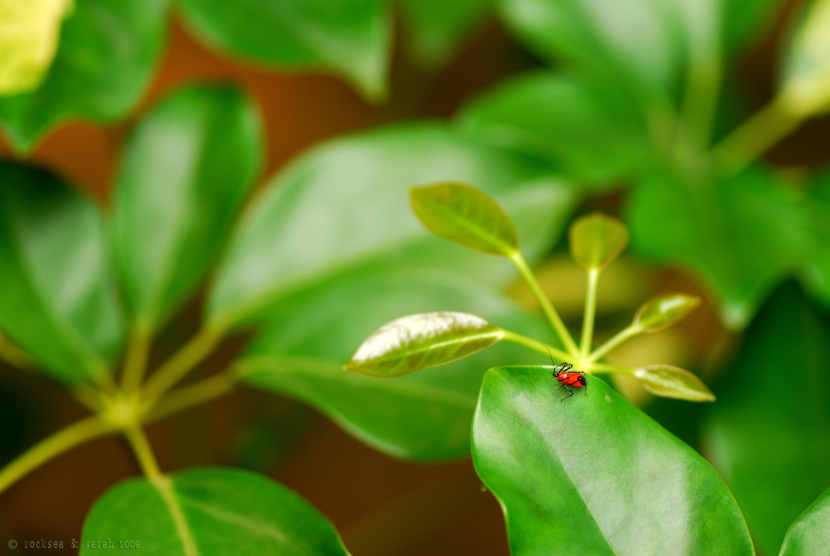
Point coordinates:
[(187, 168), (810, 534), (435, 29), (769, 432), (56, 297), (28, 40), (350, 37), (349, 199), (424, 415), (663, 311), (596, 240), (672, 382), (207, 512), (106, 56), (594, 475), (466, 215), (806, 74)]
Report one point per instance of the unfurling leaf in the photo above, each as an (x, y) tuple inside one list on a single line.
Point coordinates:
[(673, 382), (466, 215), (806, 82), (665, 310), (597, 239), (421, 341)]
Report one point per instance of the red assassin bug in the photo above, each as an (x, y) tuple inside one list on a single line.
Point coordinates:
[(567, 378)]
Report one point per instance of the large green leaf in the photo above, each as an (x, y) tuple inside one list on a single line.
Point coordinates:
[(594, 475), (810, 534), (106, 56), (351, 37), (424, 415), (742, 235), (435, 28), (769, 432), (582, 122), (345, 205), (186, 170), (56, 297), (207, 512)]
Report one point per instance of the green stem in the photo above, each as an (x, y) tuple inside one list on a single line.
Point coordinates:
[(605, 368), (182, 363), (143, 452), (554, 318), (536, 345), (590, 312), (198, 393), (136, 361), (59, 442), (616, 340)]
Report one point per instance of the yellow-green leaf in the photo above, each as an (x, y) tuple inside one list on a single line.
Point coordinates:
[(597, 239), (674, 382), (806, 82), (665, 310)]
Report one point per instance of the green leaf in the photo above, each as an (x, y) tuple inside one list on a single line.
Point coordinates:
[(672, 382), (350, 37), (769, 433), (28, 40), (422, 341), (596, 240), (366, 220), (466, 215), (663, 311), (741, 235), (187, 168), (594, 475), (107, 53), (805, 87), (581, 121), (744, 21), (56, 297), (810, 534), (424, 415), (435, 29), (207, 512), (816, 272)]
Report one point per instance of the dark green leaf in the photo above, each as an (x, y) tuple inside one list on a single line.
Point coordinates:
[(207, 512), (350, 37), (424, 415), (344, 206), (187, 169), (56, 297), (465, 215), (596, 240), (106, 56), (672, 382), (805, 87), (435, 28), (769, 433), (816, 272), (594, 475), (810, 534), (743, 21), (665, 310)]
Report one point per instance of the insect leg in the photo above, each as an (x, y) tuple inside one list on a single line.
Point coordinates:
[(569, 390)]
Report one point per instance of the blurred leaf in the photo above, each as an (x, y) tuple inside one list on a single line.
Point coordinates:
[(805, 87), (817, 268), (742, 20), (672, 382), (594, 475), (596, 240), (107, 53), (436, 28), (56, 297), (810, 534), (663, 311), (742, 235), (582, 122), (210, 512), (769, 433), (424, 415), (348, 198), (465, 215), (186, 170), (28, 39), (421, 341), (350, 37)]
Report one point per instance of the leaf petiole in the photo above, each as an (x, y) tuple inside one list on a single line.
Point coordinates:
[(198, 393), (615, 341), (590, 312), (535, 345)]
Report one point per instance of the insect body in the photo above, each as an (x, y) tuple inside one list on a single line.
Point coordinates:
[(568, 378)]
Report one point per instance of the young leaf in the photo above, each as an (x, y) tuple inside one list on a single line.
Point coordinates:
[(106, 56), (673, 382), (435, 29), (663, 311), (424, 415), (28, 39), (597, 240), (186, 170), (207, 512), (351, 37), (810, 534), (466, 215), (805, 87), (56, 297), (769, 433), (594, 475)]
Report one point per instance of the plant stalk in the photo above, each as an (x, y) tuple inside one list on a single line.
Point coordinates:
[(135, 362), (590, 312), (198, 393), (535, 345), (182, 363), (143, 452), (615, 341)]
